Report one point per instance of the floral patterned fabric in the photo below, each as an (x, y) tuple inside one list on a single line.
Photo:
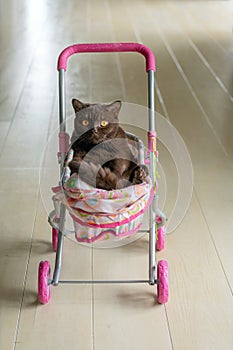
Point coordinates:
[(100, 214)]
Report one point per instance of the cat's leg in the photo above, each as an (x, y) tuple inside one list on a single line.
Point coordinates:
[(74, 166), (75, 163), (140, 174), (87, 172), (96, 175), (106, 179)]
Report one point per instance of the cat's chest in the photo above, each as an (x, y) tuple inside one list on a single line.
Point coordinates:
[(104, 152)]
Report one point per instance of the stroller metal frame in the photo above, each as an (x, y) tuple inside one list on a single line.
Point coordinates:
[(150, 68)]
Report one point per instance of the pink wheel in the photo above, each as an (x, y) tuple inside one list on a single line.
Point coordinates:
[(160, 242), (54, 238), (44, 275), (162, 276)]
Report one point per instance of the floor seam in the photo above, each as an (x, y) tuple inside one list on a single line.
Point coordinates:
[(25, 275), (212, 240), (92, 300), (169, 327)]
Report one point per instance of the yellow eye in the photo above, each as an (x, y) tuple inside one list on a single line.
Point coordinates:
[(104, 123), (85, 122)]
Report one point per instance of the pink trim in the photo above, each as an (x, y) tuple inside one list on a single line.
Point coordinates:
[(152, 141), (118, 223), (64, 142), (56, 189), (102, 234), (107, 47)]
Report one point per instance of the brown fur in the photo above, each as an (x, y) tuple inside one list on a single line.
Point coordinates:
[(102, 156)]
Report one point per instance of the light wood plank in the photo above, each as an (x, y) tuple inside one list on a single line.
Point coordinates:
[(131, 261), (70, 308), (199, 313), (188, 120), (212, 54), (4, 127), (17, 217)]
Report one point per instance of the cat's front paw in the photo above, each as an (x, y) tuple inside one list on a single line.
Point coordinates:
[(140, 175), (97, 176), (106, 179)]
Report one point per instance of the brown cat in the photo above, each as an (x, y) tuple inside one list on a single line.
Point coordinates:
[(102, 155)]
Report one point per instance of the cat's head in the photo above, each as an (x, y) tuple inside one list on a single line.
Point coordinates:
[(95, 121)]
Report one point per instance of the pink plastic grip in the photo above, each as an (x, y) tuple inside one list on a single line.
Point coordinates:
[(152, 141), (107, 47), (64, 139)]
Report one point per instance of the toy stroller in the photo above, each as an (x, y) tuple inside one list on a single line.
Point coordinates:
[(125, 207)]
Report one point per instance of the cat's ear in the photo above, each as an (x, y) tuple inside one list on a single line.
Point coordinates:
[(78, 105), (114, 107)]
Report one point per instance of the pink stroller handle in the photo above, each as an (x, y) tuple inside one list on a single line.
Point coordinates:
[(107, 47)]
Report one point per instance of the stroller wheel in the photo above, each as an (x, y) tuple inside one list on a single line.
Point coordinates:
[(54, 238), (160, 242), (44, 277), (162, 276)]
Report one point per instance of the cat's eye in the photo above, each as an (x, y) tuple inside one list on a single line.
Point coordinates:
[(85, 122), (104, 123)]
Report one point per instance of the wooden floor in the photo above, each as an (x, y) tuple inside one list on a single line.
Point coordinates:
[(192, 42)]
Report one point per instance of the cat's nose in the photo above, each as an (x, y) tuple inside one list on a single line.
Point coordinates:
[(96, 126)]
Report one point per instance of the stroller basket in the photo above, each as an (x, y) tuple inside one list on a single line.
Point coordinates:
[(103, 215)]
